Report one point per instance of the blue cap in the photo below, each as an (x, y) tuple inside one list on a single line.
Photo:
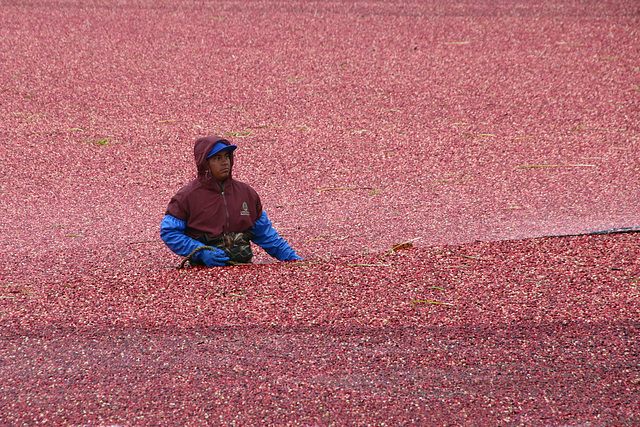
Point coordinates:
[(219, 146)]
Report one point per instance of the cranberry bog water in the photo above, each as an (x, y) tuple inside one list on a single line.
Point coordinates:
[(461, 178)]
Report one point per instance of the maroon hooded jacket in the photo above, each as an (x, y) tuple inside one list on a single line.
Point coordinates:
[(206, 208)]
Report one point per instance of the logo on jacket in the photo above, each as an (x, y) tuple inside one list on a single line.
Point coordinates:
[(245, 209)]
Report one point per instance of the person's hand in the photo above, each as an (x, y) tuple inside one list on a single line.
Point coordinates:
[(213, 258)]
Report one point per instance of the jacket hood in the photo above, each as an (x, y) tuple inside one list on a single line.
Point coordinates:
[(202, 147)]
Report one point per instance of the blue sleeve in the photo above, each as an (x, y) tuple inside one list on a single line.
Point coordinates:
[(265, 236), (172, 232)]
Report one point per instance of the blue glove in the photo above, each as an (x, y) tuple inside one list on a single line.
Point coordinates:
[(172, 232), (212, 258), (265, 236)]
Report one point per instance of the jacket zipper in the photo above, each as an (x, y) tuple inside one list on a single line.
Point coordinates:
[(226, 209)]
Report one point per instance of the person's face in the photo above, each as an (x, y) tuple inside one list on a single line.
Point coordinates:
[(220, 165)]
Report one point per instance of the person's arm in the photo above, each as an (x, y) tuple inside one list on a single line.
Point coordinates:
[(172, 232), (265, 236)]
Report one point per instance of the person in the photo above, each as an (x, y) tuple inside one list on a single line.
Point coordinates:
[(219, 212)]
